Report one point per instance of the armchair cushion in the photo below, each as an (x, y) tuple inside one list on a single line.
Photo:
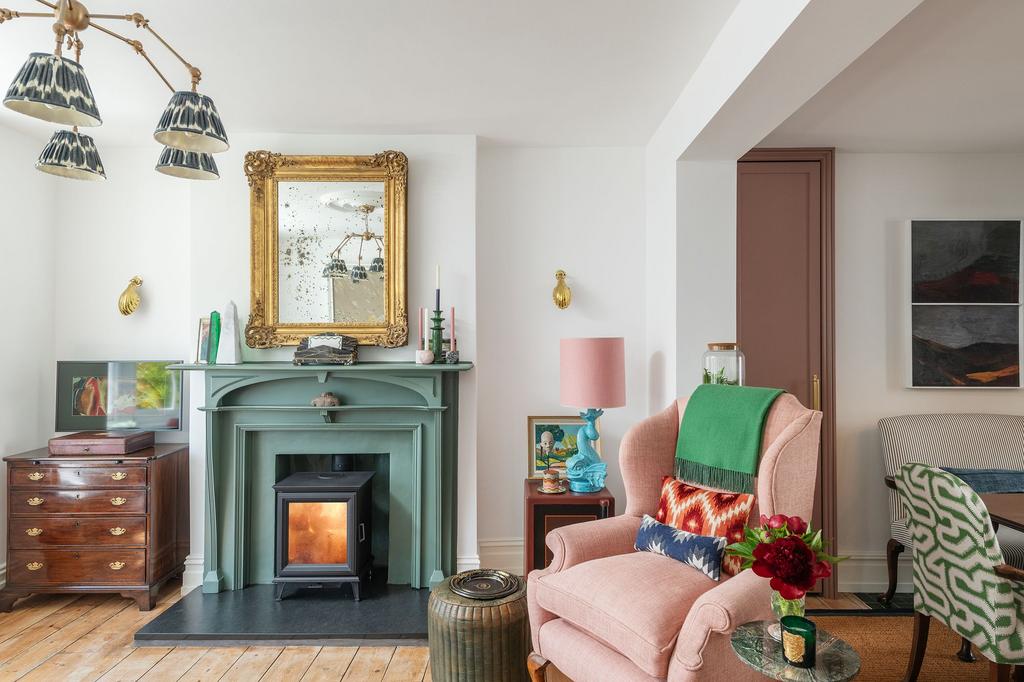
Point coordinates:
[(633, 603), (706, 512), (701, 552)]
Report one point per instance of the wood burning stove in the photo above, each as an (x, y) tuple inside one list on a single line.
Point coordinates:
[(323, 530)]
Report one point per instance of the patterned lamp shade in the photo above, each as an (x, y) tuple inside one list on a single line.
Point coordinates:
[(188, 165), (53, 89), (71, 155), (358, 274), (377, 265), (335, 268), (191, 123)]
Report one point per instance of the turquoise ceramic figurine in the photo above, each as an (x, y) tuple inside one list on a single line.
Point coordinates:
[(585, 470)]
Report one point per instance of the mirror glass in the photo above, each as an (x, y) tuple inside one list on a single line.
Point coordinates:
[(330, 253)]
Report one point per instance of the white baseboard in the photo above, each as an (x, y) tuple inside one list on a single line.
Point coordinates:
[(468, 562), (505, 554), (868, 572), (193, 575)]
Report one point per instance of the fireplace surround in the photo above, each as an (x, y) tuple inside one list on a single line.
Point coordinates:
[(258, 412)]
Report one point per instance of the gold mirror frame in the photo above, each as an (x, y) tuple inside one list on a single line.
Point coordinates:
[(264, 170)]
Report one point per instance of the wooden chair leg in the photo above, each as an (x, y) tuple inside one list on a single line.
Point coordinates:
[(892, 554), (965, 654), (999, 672), (536, 664), (921, 624)]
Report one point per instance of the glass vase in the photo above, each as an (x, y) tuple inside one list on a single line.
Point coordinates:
[(784, 607), (723, 363)]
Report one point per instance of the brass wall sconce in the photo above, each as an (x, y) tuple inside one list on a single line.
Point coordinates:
[(129, 300), (562, 294)]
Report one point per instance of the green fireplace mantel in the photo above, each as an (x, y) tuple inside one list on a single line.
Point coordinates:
[(256, 412)]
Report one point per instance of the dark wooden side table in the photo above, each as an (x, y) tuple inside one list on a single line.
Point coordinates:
[(544, 513)]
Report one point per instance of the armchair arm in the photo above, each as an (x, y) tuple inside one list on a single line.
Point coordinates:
[(1009, 572), (740, 599), (581, 542)]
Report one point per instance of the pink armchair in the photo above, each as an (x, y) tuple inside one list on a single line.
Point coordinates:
[(603, 612)]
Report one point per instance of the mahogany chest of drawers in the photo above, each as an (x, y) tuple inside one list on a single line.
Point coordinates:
[(96, 523)]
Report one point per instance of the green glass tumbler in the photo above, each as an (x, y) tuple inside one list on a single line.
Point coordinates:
[(799, 639)]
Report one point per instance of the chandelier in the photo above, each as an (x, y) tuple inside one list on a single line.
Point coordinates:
[(336, 266), (54, 88)]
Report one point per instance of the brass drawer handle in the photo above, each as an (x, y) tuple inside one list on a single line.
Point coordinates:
[(33, 566), (35, 501), (117, 501), (118, 531), (36, 476), (119, 475), (116, 565), (33, 532)]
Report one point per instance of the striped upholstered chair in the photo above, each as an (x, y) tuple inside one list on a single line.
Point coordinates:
[(960, 578), (964, 441)]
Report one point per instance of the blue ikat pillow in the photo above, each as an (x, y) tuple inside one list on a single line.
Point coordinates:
[(699, 551)]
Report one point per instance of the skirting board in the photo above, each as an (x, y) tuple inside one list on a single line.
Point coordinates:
[(193, 575), (862, 572), (505, 554)]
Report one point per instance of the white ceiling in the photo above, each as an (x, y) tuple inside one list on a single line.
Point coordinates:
[(532, 72), (945, 79)]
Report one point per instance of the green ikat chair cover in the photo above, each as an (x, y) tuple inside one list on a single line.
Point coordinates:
[(955, 550)]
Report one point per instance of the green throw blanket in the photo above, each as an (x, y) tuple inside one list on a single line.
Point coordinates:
[(720, 435)]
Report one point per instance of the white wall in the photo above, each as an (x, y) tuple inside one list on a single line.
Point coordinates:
[(26, 303), (541, 210), (875, 194)]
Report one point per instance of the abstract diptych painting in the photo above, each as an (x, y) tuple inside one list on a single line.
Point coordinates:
[(965, 296)]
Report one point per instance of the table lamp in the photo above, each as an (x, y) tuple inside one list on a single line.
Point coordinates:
[(593, 376)]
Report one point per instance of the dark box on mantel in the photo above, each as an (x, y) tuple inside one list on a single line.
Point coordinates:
[(101, 443)]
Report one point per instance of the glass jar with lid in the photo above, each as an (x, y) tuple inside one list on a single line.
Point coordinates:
[(723, 364)]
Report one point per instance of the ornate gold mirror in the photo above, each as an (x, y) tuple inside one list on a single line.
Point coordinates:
[(328, 248)]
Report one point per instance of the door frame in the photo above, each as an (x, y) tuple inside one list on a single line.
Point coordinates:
[(825, 156)]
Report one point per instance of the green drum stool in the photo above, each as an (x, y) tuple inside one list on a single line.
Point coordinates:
[(478, 628)]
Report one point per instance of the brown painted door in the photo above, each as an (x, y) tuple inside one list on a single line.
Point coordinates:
[(784, 288)]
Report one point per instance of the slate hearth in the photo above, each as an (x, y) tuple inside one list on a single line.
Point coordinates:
[(386, 613)]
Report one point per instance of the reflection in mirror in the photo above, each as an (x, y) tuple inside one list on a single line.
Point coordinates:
[(331, 248)]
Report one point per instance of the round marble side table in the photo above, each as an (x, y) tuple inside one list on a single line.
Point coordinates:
[(836, 660)]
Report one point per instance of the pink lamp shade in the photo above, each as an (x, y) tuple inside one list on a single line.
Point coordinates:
[(593, 372)]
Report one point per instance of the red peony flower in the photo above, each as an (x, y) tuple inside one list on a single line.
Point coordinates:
[(778, 521), (797, 526), (791, 565)]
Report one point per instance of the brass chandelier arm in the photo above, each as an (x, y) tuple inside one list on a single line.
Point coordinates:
[(139, 50), (10, 14), (48, 4), (142, 22)]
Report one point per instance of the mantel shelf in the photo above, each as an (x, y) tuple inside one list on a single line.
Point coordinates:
[(403, 367), (313, 408)]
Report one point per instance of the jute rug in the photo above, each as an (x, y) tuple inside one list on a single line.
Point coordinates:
[(883, 643)]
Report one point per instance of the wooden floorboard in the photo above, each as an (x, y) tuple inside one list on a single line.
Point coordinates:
[(87, 638)]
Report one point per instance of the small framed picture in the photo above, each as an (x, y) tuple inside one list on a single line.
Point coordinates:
[(552, 441), (203, 341)]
